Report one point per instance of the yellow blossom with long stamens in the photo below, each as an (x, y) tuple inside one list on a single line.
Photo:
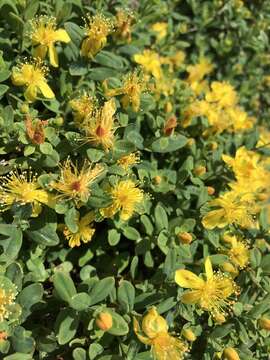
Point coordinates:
[(84, 233), (97, 29), (74, 183), (154, 332), (83, 107), (128, 160), (126, 198), (100, 127), (212, 293), (22, 187), (232, 208), (151, 63), (133, 86), (44, 35), (238, 252), (32, 75), (222, 93)]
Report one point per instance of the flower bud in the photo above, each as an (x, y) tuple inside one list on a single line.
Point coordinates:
[(210, 190), (264, 323), (189, 335), (228, 267), (104, 321), (3, 335), (219, 318), (230, 354), (157, 179), (190, 142), (24, 108), (59, 121), (168, 107), (153, 323), (184, 237), (200, 170)]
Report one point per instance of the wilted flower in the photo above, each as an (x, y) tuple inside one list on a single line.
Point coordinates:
[(154, 332), (170, 125), (126, 198), (133, 86), (74, 183), (98, 27), (22, 187), (84, 233), (35, 130), (33, 76), (123, 24), (211, 294), (44, 35), (100, 128)]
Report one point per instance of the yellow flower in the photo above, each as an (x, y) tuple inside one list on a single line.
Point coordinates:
[(8, 293), (123, 24), (174, 61), (154, 332), (45, 35), (240, 120), (74, 183), (33, 76), (238, 252), (222, 93), (97, 29), (198, 71), (83, 107), (264, 139), (160, 28), (22, 187), (151, 62), (100, 128), (84, 233), (133, 86), (232, 209), (126, 199), (128, 160), (211, 294)]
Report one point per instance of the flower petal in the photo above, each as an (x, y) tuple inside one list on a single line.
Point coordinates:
[(53, 55), (187, 279), (18, 78), (45, 90), (40, 51), (208, 268), (30, 93), (214, 218), (191, 297), (61, 35)]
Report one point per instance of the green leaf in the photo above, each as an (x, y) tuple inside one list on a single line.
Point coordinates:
[(22, 341), (79, 354), (29, 296), (126, 296), (12, 244), (95, 350), (101, 290), (3, 89), (18, 356), (45, 235), (113, 237), (110, 60), (169, 144), (161, 218), (120, 326), (66, 325), (131, 233), (80, 301), (71, 217), (64, 286), (102, 73)]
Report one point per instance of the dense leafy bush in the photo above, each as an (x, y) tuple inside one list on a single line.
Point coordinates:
[(134, 179)]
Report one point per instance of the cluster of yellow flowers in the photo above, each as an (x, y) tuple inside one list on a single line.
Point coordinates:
[(248, 194)]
